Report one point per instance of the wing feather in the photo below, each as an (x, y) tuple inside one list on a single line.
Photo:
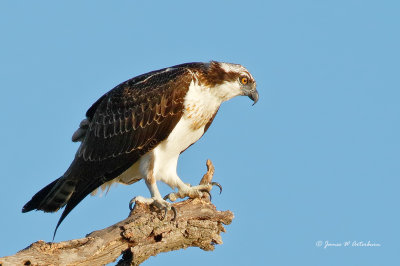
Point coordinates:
[(125, 123), (123, 120)]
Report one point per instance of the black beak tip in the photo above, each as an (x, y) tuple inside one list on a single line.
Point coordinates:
[(254, 96)]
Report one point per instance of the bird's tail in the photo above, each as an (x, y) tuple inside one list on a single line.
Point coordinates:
[(53, 196), (64, 191)]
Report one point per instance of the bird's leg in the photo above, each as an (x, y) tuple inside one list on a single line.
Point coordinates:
[(155, 200), (205, 186)]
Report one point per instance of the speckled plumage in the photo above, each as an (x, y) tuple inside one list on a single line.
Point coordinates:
[(134, 130)]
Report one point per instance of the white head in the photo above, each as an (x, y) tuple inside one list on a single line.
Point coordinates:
[(229, 80)]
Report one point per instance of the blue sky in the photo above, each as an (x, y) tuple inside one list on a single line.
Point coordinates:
[(317, 159)]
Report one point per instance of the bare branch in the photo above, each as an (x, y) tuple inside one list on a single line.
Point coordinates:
[(143, 234)]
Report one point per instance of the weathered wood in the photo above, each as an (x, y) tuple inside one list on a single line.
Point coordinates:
[(143, 234)]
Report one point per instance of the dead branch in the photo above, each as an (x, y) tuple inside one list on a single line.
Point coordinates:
[(143, 234)]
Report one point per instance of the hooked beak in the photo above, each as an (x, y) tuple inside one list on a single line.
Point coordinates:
[(252, 94)]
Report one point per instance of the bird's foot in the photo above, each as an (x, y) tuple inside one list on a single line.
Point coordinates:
[(193, 192), (160, 203)]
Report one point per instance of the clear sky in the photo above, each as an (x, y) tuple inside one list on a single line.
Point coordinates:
[(317, 159)]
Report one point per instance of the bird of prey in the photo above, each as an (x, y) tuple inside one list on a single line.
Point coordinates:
[(138, 129)]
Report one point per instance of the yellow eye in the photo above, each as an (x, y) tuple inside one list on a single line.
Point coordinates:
[(244, 80)]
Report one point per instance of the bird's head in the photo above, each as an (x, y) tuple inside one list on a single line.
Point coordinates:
[(230, 80)]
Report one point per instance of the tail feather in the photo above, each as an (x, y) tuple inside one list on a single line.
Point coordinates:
[(82, 190), (52, 197), (64, 191)]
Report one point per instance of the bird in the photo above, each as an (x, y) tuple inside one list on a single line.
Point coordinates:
[(138, 130)]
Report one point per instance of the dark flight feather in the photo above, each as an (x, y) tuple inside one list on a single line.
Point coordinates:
[(124, 124)]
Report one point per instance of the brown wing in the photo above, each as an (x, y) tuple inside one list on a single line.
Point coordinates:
[(135, 116), (124, 124)]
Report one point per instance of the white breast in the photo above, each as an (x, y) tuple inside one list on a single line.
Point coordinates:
[(167, 152), (200, 105)]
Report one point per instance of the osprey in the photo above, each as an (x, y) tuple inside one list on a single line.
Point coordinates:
[(138, 129)]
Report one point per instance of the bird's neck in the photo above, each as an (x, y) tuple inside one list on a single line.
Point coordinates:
[(200, 105)]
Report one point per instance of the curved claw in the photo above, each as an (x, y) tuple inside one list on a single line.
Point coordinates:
[(166, 211), (218, 185), (174, 210), (167, 196), (208, 192), (131, 204)]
